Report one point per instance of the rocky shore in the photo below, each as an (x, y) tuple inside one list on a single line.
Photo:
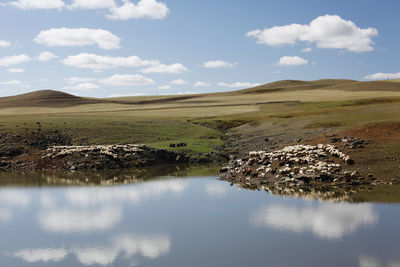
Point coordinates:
[(295, 169), (94, 157), (30, 151)]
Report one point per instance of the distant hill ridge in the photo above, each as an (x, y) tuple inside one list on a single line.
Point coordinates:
[(51, 98), (44, 98), (330, 84)]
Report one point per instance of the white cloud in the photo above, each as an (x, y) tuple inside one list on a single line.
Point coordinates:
[(5, 44), (92, 4), (92, 197), (365, 261), (41, 255), (78, 37), (306, 50), (201, 84), (12, 82), (5, 215), (127, 80), (38, 4), (127, 246), (292, 61), (328, 221), (83, 87), (148, 246), (96, 62), (143, 9), (162, 68), (16, 70), (16, 83), (15, 197), (14, 60), (216, 189), (218, 64), (164, 87), (46, 56), (382, 76), (75, 80), (179, 82), (72, 221), (239, 84), (329, 31)]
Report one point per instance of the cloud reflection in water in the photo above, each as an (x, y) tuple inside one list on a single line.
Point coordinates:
[(70, 221), (41, 255), (90, 209), (327, 221), (126, 246), (93, 196)]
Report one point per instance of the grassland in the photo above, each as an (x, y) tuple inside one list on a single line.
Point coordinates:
[(283, 112)]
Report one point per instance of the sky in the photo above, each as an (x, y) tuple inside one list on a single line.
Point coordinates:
[(106, 48)]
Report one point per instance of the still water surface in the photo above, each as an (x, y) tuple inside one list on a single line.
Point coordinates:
[(191, 221)]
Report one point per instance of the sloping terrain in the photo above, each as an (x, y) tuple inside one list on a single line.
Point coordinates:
[(44, 98), (269, 116), (325, 84)]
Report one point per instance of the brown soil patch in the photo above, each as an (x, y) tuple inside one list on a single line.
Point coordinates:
[(381, 156)]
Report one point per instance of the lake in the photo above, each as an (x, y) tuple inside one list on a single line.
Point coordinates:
[(194, 220)]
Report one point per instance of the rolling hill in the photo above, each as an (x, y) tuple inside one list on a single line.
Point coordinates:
[(44, 98)]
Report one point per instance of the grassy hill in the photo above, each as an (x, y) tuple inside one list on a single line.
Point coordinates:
[(44, 98), (282, 112)]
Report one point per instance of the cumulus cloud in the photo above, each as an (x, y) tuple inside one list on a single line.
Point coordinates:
[(239, 84), (92, 197), (46, 56), (143, 9), (97, 62), (218, 64), (162, 68), (127, 80), (14, 197), (328, 221), (5, 215), (127, 245), (292, 61), (201, 84), (92, 4), (16, 70), (12, 82), (5, 44), (164, 87), (72, 221), (329, 31), (83, 87), (306, 50), (78, 37), (41, 255), (75, 80), (179, 82), (150, 246), (382, 76), (216, 189), (38, 4), (14, 60)]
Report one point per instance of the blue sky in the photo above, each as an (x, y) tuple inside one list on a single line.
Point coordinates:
[(106, 48)]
